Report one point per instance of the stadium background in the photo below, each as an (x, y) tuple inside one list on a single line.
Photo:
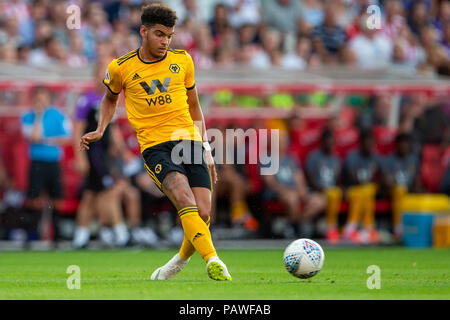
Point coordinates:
[(258, 64)]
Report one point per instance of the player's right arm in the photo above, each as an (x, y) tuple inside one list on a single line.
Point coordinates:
[(107, 109), (113, 82)]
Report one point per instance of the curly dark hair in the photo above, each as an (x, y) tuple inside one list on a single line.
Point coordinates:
[(158, 13)]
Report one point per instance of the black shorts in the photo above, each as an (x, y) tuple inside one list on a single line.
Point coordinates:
[(184, 156), (96, 183), (45, 176)]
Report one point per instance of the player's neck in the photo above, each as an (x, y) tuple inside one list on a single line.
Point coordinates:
[(145, 54)]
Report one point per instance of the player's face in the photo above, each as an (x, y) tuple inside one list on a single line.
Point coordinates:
[(157, 39), (403, 148)]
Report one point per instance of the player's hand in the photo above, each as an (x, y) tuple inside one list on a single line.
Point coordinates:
[(88, 138), (212, 168)]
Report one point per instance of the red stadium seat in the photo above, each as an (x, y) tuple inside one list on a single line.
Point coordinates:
[(432, 167)]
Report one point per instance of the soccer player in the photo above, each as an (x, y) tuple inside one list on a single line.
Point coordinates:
[(400, 173), (323, 169), (361, 170), (100, 193), (289, 186), (162, 106)]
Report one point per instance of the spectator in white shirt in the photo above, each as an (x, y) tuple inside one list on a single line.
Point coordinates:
[(270, 53), (244, 12), (298, 60), (372, 49)]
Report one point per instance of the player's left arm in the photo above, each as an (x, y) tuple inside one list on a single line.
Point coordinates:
[(197, 115)]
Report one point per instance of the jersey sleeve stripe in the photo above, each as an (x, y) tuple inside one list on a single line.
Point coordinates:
[(110, 88), (190, 88), (177, 51), (122, 61)]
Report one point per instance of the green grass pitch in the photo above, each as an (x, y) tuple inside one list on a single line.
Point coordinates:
[(257, 274)]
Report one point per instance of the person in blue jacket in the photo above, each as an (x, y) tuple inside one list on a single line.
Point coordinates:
[(46, 128)]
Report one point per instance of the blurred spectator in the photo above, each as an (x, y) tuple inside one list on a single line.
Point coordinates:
[(323, 171), (46, 128), (372, 50), (445, 39), (407, 51), (100, 193), (312, 12), (400, 175), (328, 38), (196, 10), (298, 60), (393, 21), (95, 27), (42, 31), (242, 12), (118, 10), (8, 53), (442, 17), (51, 53), (202, 55), (270, 52), (220, 21), (418, 16), (23, 54), (75, 56), (281, 14), (413, 37)]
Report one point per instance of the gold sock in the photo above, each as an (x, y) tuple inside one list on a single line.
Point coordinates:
[(355, 204), (334, 198), (196, 231), (398, 193), (187, 250), (369, 206), (238, 210)]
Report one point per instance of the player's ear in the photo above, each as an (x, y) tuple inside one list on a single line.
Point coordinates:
[(143, 30)]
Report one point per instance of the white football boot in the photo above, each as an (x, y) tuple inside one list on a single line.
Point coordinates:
[(170, 269), (217, 270)]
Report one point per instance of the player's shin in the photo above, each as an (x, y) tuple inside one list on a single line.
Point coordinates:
[(197, 232), (187, 249)]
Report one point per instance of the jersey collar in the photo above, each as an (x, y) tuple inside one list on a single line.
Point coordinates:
[(150, 62)]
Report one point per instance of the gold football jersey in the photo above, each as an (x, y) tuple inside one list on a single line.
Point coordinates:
[(155, 95)]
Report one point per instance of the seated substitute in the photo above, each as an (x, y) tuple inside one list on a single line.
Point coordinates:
[(323, 170), (361, 170)]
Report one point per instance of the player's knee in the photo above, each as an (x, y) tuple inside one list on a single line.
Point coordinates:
[(204, 210), (318, 202)]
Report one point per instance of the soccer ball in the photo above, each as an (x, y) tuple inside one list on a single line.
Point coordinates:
[(303, 258)]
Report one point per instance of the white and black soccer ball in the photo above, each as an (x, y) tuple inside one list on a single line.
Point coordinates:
[(303, 258)]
